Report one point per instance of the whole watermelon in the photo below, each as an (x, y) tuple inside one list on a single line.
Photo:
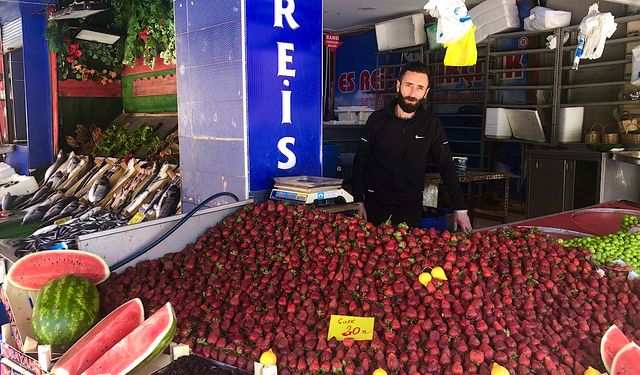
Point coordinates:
[(66, 309)]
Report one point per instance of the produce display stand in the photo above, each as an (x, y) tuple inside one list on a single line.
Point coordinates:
[(117, 245), (565, 220), (113, 245)]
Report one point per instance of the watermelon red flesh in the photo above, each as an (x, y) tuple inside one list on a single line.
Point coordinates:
[(144, 342), (627, 361), (611, 343), (35, 270), (108, 332)]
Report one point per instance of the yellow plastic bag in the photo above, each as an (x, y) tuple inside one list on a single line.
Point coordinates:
[(463, 52)]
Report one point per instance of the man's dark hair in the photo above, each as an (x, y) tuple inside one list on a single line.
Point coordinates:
[(416, 67)]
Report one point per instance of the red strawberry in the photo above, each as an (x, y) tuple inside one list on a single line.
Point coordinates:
[(476, 356)]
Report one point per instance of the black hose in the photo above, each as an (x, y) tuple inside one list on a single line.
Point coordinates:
[(170, 231)]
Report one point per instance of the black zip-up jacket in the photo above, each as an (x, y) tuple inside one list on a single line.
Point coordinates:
[(392, 159)]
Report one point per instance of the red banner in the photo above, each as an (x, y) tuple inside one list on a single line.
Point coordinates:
[(332, 41)]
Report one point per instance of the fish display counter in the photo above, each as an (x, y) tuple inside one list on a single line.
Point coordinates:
[(80, 195)]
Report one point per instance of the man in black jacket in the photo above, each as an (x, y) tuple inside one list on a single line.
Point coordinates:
[(392, 158)]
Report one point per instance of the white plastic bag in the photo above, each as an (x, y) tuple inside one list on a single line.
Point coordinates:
[(542, 18), (453, 19), (596, 28)]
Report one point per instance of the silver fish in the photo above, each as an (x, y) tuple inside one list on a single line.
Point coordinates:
[(35, 214), (99, 189), (56, 179), (73, 164), (40, 195), (54, 167), (56, 208), (52, 199), (169, 202), (70, 208), (7, 201), (90, 213)]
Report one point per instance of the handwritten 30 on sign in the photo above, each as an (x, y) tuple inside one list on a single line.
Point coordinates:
[(357, 328)]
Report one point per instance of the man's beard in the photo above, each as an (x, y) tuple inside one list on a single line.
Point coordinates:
[(406, 106)]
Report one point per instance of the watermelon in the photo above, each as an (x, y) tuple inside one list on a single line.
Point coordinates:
[(627, 361), (65, 309), (108, 332), (33, 271), (611, 343), (139, 347)]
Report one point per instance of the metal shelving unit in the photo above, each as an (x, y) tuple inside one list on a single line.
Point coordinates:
[(562, 82), (585, 75), (464, 130), (496, 71)]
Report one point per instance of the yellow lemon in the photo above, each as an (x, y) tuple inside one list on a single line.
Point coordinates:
[(379, 371), (498, 370), (424, 278), (591, 371), (438, 273), (268, 358)]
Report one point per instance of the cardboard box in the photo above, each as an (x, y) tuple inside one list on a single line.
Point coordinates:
[(12, 358)]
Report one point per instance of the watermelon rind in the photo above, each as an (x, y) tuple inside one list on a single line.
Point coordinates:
[(627, 360), (31, 272), (155, 346), (102, 337), (65, 309), (612, 341)]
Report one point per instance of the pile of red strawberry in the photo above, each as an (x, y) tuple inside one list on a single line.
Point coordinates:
[(271, 276)]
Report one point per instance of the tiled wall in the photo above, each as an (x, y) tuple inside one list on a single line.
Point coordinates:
[(210, 99), (37, 83)]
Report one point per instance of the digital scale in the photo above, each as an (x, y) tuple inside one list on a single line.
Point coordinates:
[(319, 191)]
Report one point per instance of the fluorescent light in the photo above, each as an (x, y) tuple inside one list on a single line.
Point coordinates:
[(76, 10), (95, 36)]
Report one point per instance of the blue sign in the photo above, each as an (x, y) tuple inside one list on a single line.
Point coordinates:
[(357, 77), (284, 92)]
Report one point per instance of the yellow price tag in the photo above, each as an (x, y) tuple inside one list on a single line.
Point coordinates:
[(136, 218), (63, 220), (357, 328)]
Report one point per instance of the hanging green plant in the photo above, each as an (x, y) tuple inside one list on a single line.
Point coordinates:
[(82, 60), (150, 31)]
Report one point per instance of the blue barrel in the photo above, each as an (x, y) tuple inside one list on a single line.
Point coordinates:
[(330, 159)]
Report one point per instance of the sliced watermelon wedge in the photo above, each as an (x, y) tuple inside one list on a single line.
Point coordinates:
[(102, 337), (35, 270), (611, 343), (140, 346), (627, 361)]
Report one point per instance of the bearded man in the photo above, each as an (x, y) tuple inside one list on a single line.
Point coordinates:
[(392, 158)]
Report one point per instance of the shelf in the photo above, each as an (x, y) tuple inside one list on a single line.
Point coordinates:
[(600, 104), (539, 87), (520, 33), (516, 140), (518, 106), (533, 69), (453, 103), (457, 89), (596, 84), (522, 52), (599, 64), (431, 77), (608, 42)]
